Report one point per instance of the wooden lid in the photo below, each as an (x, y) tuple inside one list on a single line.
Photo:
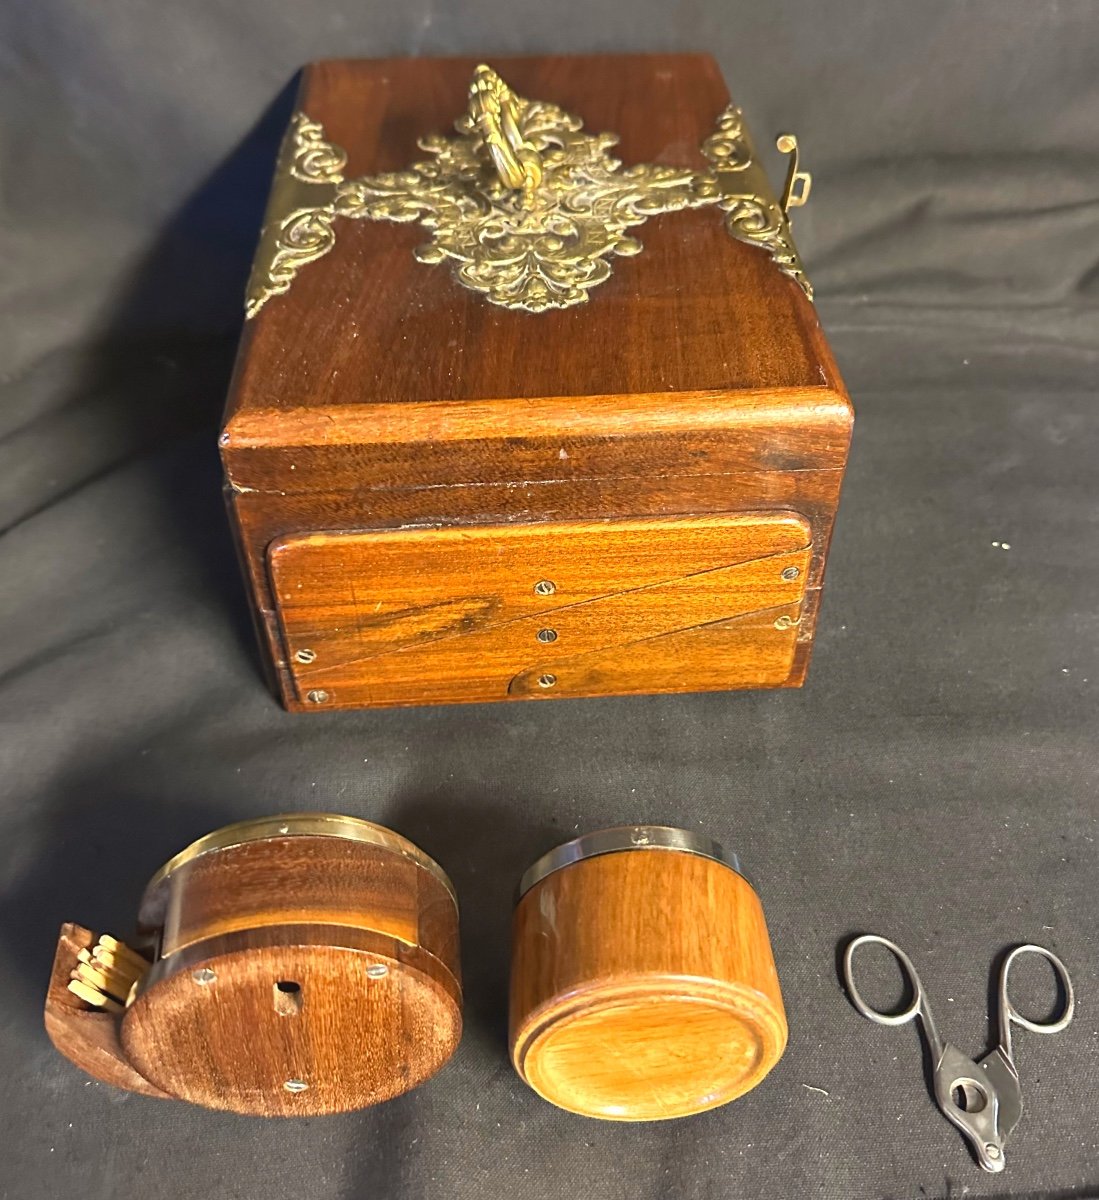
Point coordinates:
[(369, 336), (653, 1049)]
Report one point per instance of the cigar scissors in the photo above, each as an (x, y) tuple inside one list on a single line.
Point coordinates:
[(983, 1098)]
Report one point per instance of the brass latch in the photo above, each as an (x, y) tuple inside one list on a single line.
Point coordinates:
[(795, 191)]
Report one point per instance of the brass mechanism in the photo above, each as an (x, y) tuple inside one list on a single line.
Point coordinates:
[(106, 975), (494, 111), (798, 184), (526, 207)]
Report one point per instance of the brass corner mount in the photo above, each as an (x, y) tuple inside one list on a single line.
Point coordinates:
[(528, 208)]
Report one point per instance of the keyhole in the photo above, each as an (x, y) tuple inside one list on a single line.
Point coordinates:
[(968, 1095), (288, 998)]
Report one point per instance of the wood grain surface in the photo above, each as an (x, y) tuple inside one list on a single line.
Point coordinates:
[(299, 975), (429, 616), (643, 986), (351, 1037), (296, 976), (377, 394)]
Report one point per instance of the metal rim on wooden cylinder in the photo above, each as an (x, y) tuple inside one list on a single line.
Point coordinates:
[(313, 958), (627, 837)]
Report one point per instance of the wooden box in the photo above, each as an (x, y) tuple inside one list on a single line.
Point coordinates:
[(524, 409)]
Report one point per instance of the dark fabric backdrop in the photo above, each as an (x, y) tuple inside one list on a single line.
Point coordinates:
[(935, 781)]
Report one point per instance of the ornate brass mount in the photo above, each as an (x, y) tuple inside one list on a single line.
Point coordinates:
[(527, 207)]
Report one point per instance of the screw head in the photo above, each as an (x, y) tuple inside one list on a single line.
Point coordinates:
[(317, 696), (791, 573), (377, 971), (547, 680), (296, 1085), (306, 656), (547, 635), (545, 587), (203, 976)]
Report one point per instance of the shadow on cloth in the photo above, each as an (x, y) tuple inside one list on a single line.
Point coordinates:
[(97, 848), (158, 369)]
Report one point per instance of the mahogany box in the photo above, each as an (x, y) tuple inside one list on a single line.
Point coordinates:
[(532, 398)]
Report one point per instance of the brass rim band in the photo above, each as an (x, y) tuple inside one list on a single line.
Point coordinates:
[(352, 829), (628, 837)]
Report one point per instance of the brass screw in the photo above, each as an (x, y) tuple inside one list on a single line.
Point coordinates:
[(316, 696), (295, 1085), (545, 587), (203, 976), (547, 680), (791, 573), (306, 656), (377, 971), (547, 635)]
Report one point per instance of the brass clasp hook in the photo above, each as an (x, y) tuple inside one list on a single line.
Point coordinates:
[(798, 183)]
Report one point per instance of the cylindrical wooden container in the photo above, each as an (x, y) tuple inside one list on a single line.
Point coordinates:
[(304, 964), (643, 985)]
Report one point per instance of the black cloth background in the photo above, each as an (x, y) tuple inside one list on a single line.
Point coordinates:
[(935, 781)]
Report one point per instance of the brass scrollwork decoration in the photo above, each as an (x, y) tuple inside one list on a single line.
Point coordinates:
[(527, 207)]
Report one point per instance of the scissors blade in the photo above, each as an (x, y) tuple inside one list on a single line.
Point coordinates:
[(978, 1118), (1005, 1083)]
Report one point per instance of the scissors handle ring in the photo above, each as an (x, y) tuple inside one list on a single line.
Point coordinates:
[(1009, 1014), (915, 1005)]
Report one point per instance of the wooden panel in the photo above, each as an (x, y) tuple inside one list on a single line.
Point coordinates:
[(443, 616), (554, 439)]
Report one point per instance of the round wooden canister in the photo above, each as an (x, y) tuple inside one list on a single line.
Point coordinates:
[(643, 985), (304, 964)]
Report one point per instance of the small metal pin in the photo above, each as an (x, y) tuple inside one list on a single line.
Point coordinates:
[(545, 587), (203, 976), (316, 696), (296, 1085), (547, 680), (306, 656), (377, 971)]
